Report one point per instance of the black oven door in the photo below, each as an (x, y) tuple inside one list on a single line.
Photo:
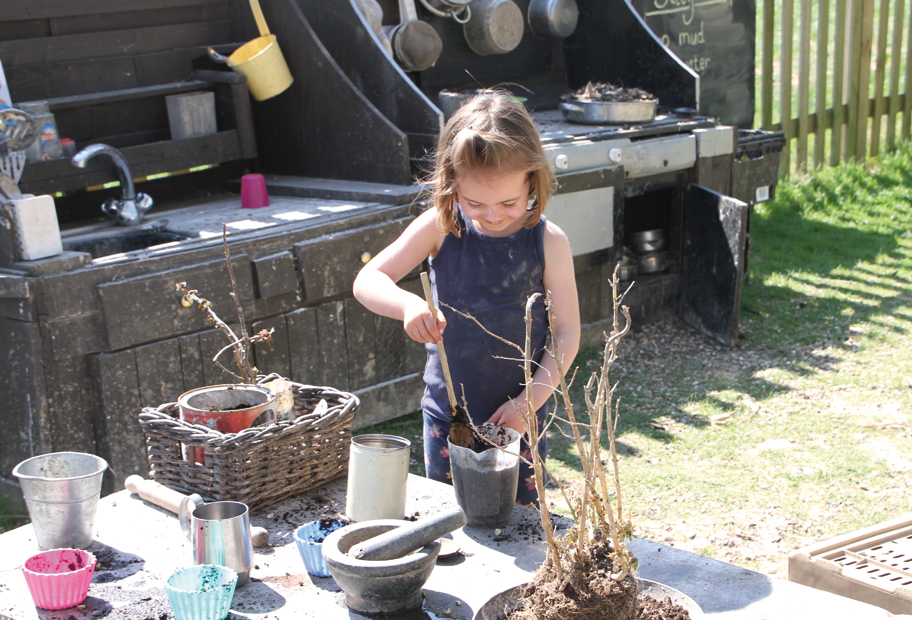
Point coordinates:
[(715, 232)]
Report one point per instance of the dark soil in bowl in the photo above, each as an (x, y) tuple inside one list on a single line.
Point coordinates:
[(598, 91), (589, 593), (330, 524)]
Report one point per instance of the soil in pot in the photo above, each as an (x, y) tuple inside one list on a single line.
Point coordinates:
[(597, 91), (328, 525), (591, 594)]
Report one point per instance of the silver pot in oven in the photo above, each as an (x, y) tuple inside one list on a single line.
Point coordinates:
[(647, 235), (653, 263), (646, 247), (626, 272), (609, 112)]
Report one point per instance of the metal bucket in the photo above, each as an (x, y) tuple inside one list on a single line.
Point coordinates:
[(485, 482), (61, 491), (377, 477)]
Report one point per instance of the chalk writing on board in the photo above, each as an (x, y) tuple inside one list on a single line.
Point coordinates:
[(715, 38), (687, 7)]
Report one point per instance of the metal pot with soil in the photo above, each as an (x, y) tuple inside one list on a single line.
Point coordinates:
[(605, 104), (485, 481)]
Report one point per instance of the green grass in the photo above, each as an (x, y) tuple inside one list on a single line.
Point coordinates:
[(799, 432)]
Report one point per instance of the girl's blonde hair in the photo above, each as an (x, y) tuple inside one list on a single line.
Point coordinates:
[(490, 132)]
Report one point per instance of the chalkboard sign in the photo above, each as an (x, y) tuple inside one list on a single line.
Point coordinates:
[(715, 38)]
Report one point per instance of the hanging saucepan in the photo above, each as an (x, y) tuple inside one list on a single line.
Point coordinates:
[(496, 27), (609, 112), (553, 19), (416, 44)]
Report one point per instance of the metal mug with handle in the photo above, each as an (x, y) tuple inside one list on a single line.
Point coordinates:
[(182, 505), (220, 534)]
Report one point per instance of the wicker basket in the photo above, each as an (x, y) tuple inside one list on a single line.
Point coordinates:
[(260, 465)]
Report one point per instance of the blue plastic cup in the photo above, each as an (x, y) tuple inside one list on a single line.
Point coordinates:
[(309, 539), (201, 592)]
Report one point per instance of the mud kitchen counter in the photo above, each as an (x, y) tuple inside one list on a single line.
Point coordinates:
[(138, 545)]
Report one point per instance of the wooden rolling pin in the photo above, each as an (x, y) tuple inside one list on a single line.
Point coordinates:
[(173, 501)]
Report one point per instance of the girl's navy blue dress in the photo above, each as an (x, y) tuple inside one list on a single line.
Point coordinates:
[(490, 278)]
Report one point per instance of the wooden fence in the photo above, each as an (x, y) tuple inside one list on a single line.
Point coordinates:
[(850, 62)]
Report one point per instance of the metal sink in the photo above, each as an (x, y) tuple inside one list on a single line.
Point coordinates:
[(117, 241)]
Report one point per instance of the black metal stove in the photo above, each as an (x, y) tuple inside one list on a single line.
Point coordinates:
[(619, 180), (369, 120), (555, 128)]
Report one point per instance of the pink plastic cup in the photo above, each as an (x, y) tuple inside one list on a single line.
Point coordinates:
[(253, 191), (59, 578)]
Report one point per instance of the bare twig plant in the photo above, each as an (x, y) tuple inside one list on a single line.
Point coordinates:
[(595, 547), (240, 346)]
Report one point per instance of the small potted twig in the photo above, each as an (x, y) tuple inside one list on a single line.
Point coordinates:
[(229, 408), (192, 448)]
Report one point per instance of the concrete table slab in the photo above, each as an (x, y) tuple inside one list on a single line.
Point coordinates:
[(139, 545)]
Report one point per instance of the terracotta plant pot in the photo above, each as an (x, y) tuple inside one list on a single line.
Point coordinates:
[(226, 408)]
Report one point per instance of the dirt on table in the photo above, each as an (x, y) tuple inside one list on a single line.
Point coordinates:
[(649, 608)]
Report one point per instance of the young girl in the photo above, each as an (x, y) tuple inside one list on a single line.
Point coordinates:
[(489, 248)]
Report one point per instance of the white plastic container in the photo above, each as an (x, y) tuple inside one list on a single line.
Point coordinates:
[(377, 477)]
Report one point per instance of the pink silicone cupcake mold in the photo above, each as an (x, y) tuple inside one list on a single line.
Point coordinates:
[(59, 578)]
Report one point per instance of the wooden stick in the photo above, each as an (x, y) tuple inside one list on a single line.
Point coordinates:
[(460, 433), (451, 393)]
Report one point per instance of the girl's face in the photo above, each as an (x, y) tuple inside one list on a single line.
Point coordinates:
[(494, 200)]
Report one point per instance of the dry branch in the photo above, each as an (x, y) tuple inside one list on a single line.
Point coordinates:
[(239, 346)]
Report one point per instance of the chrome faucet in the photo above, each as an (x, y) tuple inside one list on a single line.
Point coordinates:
[(131, 207)]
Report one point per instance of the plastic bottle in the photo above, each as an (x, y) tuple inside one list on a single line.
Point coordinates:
[(47, 146)]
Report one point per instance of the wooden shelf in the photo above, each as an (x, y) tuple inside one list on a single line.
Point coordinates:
[(234, 142), (126, 94), (60, 175)]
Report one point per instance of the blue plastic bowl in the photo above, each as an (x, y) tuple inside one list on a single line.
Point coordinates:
[(201, 592), (309, 539)]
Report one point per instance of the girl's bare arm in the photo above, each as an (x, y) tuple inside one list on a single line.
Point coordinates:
[(376, 284), (560, 280)]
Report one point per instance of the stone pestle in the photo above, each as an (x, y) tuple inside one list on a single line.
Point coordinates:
[(403, 540)]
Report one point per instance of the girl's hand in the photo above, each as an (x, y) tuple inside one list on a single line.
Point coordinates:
[(420, 325), (510, 415)]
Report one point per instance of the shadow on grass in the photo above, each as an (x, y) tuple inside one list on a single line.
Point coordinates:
[(825, 257)]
